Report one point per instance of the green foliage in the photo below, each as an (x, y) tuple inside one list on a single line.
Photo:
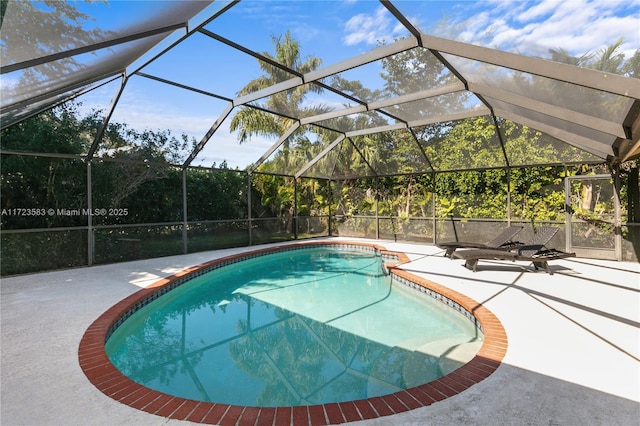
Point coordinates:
[(150, 192), (216, 194), (44, 182), (537, 193), (479, 194), (59, 131), (31, 252), (41, 183), (272, 195), (41, 17), (136, 169)]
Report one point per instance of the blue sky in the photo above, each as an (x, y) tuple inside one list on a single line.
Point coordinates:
[(335, 31)]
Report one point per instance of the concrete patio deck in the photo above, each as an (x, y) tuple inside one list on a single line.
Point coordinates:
[(573, 356)]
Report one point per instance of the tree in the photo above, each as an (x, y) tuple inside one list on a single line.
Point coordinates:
[(55, 26), (631, 68), (47, 182), (251, 122), (44, 182)]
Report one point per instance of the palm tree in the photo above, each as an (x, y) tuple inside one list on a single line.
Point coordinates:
[(252, 122), (608, 59), (562, 55)]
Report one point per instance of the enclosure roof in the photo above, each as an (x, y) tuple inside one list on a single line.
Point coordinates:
[(400, 96)]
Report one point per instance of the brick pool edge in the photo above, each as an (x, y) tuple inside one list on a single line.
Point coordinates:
[(105, 377)]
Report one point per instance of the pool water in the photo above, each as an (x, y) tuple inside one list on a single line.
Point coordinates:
[(301, 327)]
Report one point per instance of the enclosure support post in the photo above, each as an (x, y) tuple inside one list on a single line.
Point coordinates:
[(185, 244), (433, 209), (377, 212), (250, 222), (509, 197), (617, 211), (294, 221), (90, 238), (330, 198), (567, 210)]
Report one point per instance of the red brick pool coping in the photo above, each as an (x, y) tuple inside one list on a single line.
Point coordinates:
[(103, 374)]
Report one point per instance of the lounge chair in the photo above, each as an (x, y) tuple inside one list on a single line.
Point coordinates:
[(504, 241), (534, 252)]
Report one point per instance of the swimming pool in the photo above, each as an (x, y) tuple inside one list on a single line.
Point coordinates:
[(352, 341), (301, 327)]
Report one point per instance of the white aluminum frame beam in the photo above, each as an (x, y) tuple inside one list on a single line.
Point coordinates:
[(208, 136), (318, 157), (450, 117), (373, 130), (334, 114), (418, 96), (374, 106), (606, 82), (589, 145), (356, 61), (362, 59), (269, 91), (295, 126), (571, 116)]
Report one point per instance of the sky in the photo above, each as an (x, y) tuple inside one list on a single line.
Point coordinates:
[(335, 31)]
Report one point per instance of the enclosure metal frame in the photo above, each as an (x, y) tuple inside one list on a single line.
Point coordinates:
[(625, 136), (90, 227), (617, 219), (625, 142)]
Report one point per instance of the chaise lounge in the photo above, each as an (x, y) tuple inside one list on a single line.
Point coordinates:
[(504, 241), (535, 252)]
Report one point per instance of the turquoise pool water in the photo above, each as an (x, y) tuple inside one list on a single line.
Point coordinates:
[(301, 327)]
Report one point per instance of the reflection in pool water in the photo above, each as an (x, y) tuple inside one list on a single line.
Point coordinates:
[(301, 327)]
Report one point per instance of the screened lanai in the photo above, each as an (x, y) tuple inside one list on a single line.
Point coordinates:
[(416, 121)]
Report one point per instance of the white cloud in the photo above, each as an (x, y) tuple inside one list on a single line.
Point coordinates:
[(538, 11), (147, 116), (474, 28), (8, 82), (369, 29), (579, 26)]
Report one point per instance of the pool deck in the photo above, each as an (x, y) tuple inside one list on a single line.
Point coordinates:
[(573, 356)]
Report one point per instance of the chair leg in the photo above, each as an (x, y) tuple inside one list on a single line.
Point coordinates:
[(542, 264), (471, 264)]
